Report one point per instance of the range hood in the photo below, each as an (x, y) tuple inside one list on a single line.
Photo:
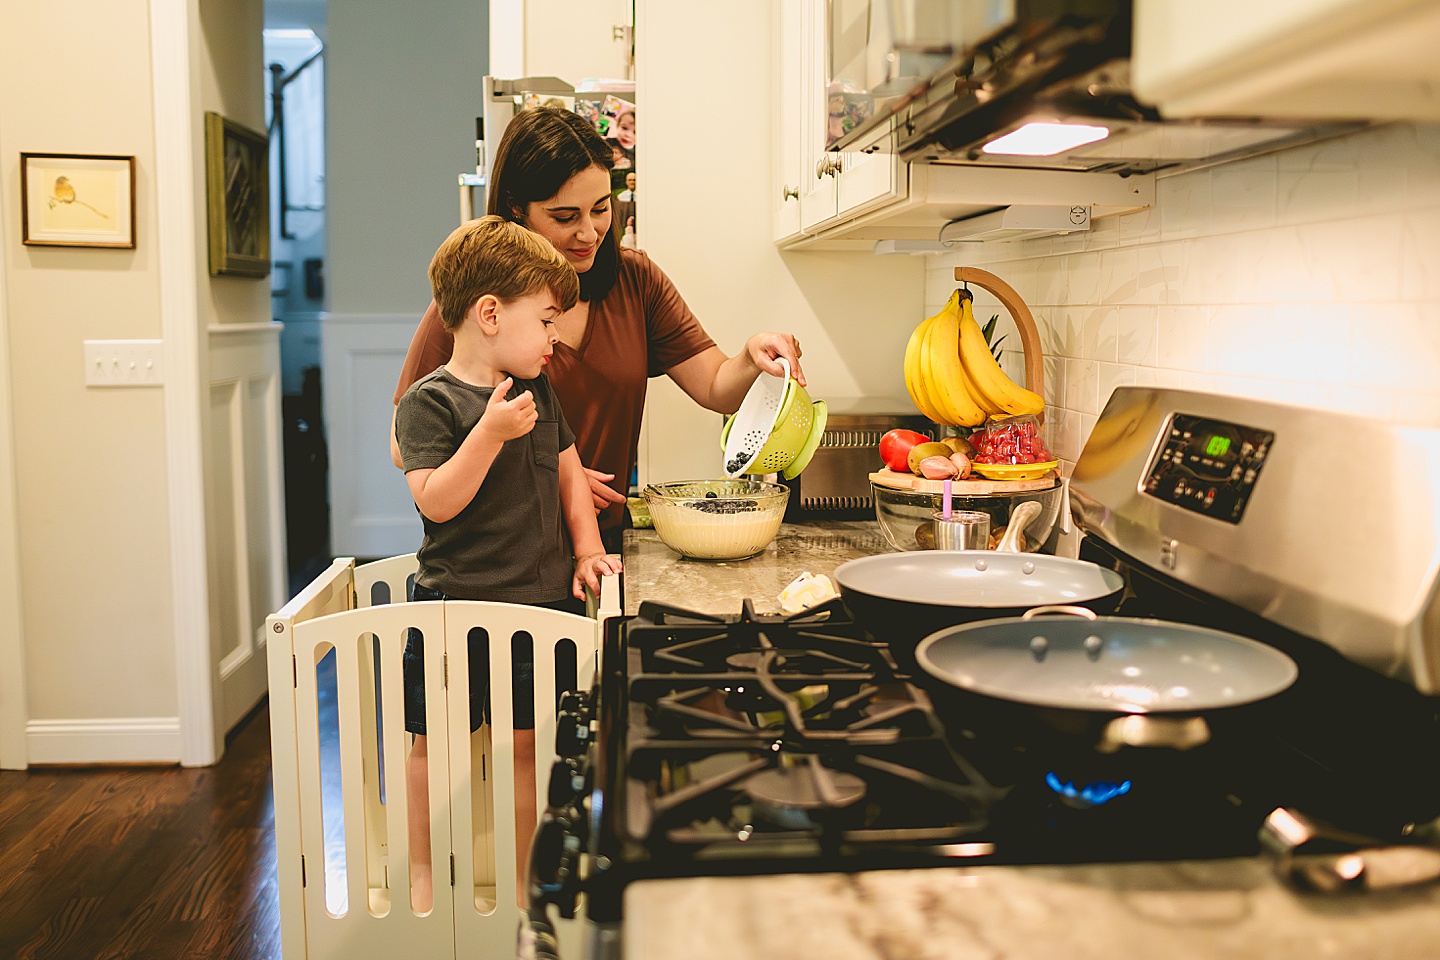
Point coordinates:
[(1053, 67)]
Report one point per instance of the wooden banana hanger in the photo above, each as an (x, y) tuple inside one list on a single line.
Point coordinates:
[(1024, 321)]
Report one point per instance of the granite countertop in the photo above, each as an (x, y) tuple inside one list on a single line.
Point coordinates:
[(1190, 910), (1231, 909), (655, 572)]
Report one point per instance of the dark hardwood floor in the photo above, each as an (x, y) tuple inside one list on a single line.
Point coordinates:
[(109, 863)]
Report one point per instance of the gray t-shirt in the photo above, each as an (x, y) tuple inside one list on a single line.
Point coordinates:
[(510, 543)]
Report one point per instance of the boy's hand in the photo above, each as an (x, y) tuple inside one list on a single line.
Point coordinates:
[(588, 571), (507, 419)]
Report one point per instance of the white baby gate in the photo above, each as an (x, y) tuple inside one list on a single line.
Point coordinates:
[(362, 909)]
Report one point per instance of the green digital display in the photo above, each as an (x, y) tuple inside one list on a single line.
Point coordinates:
[(1217, 447)]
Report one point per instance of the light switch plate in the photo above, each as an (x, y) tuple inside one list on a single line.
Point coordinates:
[(123, 363)]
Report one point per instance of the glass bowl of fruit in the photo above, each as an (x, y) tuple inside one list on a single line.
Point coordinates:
[(906, 517), (717, 519), (1011, 448)]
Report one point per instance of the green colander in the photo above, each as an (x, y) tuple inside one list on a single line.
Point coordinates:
[(776, 430)]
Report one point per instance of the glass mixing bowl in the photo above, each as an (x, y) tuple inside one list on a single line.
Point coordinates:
[(905, 516), (717, 519)]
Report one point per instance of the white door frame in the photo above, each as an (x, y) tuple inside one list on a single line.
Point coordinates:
[(174, 31), (14, 712)]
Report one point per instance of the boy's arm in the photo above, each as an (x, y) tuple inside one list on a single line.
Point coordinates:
[(578, 506), (442, 492)]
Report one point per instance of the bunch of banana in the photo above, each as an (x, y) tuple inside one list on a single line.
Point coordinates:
[(951, 375)]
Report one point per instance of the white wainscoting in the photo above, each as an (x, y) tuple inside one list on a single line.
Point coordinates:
[(245, 507), (371, 513), (104, 740)]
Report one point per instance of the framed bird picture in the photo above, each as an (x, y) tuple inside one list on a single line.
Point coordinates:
[(77, 200), (237, 182)]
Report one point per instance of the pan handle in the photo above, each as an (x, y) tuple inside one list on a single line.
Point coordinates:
[(1061, 608)]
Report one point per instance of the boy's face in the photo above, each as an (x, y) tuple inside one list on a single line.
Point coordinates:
[(525, 334)]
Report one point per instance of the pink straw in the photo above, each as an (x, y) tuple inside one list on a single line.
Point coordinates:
[(945, 510)]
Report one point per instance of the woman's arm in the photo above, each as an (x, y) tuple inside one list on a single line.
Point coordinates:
[(576, 504), (719, 383)]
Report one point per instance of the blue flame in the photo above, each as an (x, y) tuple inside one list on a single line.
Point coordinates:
[(1093, 794)]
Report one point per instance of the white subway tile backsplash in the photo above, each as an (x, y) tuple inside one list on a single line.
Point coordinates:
[(1420, 255), (1184, 201), (1108, 377), (1085, 277), (1242, 195), (1099, 328), (1120, 276), (1183, 338), (1143, 226), (1136, 336), (1080, 386), (1308, 276)]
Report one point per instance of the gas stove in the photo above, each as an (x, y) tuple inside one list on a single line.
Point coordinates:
[(756, 744), (752, 744)]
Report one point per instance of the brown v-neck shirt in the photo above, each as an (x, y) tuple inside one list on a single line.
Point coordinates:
[(640, 330)]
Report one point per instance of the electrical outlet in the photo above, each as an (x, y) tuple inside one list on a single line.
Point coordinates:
[(123, 363)]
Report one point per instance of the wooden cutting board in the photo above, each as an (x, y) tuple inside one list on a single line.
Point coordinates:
[(970, 487)]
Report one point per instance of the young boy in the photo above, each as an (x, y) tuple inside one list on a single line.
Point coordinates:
[(493, 469)]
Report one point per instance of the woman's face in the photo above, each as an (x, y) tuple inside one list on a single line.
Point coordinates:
[(577, 218)]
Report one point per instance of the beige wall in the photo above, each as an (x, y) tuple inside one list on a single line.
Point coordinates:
[(230, 60), (93, 524), (93, 510)]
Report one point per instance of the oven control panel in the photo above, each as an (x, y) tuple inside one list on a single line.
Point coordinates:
[(1208, 466)]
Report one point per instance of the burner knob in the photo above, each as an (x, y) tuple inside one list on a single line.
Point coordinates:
[(555, 863), (572, 735), (567, 782), (574, 701)]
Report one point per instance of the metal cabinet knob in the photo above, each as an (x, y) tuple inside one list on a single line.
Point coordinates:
[(789, 193)]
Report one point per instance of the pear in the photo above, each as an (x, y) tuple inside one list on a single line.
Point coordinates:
[(920, 451)]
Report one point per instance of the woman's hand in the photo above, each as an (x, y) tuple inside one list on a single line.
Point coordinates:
[(588, 571), (601, 490), (764, 348)]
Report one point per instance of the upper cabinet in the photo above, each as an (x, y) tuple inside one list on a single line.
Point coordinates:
[(815, 187), (1361, 59), (828, 199)]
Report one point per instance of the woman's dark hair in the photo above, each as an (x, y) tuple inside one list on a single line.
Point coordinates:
[(543, 147)]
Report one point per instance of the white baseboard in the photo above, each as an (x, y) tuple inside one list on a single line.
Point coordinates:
[(104, 740)]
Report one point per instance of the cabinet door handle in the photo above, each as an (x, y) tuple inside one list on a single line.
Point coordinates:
[(789, 193)]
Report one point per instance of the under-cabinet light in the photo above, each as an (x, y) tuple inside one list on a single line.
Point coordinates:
[(1045, 139)]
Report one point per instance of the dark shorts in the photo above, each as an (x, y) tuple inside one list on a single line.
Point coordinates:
[(522, 678)]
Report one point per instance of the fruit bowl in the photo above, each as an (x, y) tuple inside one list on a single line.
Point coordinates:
[(717, 519), (905, 515), (1014, 471)]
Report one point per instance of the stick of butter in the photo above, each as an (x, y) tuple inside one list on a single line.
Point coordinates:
[(805, 591)]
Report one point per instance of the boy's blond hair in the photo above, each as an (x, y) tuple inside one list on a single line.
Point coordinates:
[(492, 255)]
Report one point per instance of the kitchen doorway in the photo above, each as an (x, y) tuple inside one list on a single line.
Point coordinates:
[(294, 49)]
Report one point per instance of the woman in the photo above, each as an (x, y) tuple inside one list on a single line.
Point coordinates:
[(552, 174)]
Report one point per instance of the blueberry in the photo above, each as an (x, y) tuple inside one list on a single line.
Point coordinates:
[(711, 495)]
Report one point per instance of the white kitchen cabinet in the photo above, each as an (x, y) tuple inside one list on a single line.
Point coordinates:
[(1342, 59), (847, 201), (787, 107), (832, 186)]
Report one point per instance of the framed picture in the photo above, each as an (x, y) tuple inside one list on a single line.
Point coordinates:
[(77, 200), (237, 181)]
